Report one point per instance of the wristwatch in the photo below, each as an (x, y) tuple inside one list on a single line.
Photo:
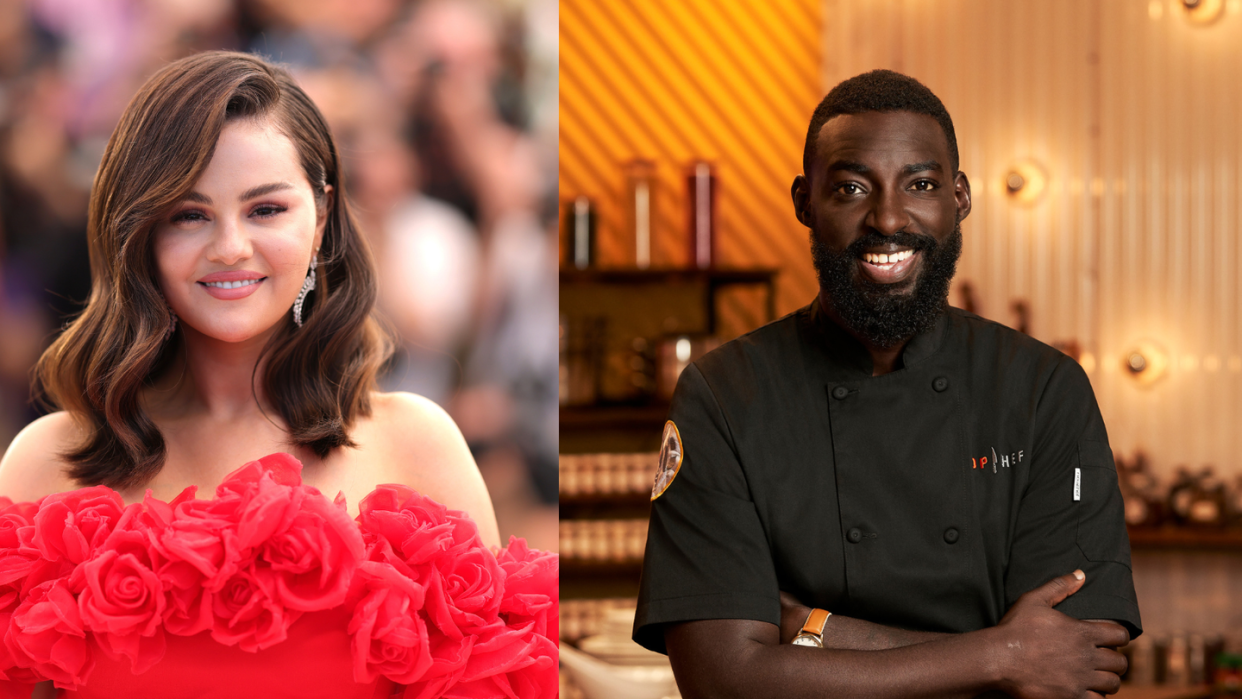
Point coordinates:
[(812, 633)]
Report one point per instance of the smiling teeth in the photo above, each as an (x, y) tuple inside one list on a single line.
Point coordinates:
[(232, 285), (887, 259)]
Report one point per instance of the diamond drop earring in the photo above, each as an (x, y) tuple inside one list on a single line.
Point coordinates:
[(307, 287)]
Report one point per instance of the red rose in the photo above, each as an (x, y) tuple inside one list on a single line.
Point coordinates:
[(465, 531), (203, 533), (245, 613), (201, 554), (121, 599), (268, 509), (464, 591), (73, 525), (47, 636), (16, 559), (448, 662), (153, 517), (314, 555), (539, 677), (532, 587), (389, 636), (13, 517), (8, 664), (416, 527), (499, 649), (530, 672), (187, 603), (283, 469)]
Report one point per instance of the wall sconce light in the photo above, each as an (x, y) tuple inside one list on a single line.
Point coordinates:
[(1026, 182), (1203, 11), (1147, 363)]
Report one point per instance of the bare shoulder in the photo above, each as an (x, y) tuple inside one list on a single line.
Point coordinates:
[(418, 429), (423, 448), (33, 467)]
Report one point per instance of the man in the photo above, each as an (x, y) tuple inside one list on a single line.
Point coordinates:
[(940, 484)]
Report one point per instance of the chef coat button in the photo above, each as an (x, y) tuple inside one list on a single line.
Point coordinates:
[(854, 535), (950, 535), (941, 384), (840, 392)]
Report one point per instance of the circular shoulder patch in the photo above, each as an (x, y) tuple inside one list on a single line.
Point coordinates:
[(670, 460)]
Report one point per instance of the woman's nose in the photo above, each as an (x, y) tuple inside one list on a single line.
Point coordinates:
[(230, 244)]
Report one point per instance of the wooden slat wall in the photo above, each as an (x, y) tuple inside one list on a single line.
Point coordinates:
[(1133, 110), (1170, 256), (732, 81)]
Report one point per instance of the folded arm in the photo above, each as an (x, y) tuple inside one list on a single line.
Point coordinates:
[(1035, 651), (848, 633)]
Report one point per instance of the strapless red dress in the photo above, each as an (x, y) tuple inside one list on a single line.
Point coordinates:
[(269, 590)]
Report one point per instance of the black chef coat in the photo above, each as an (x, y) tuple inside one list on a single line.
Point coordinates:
[(928, 498)]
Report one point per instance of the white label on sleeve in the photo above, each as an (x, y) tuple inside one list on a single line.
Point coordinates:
[(1077, 484)]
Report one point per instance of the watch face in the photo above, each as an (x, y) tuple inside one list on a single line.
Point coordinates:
[(808, 641)]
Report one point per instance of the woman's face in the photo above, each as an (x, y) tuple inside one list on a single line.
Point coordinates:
[(235, 251)]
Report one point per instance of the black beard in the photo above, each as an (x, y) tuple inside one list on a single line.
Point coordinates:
[(877, 313)]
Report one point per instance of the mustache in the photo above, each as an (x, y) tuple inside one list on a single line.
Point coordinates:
[(914, 241)]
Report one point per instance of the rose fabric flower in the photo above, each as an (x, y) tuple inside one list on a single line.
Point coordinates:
[(313, 557), (247, 615), (429, 606), (529, 671), (416, 527), (532, 588), (121, 599), (464, 591), (18, 557), (72, 525), (46, 635), (389, 634)]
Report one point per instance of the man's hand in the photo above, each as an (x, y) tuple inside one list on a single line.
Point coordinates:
[(1044, 653)]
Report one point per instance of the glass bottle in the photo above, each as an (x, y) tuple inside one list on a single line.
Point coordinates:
[(640, 176), (701, 187)]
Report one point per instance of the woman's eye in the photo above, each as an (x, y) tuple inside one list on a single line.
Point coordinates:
[(266, 210), (189, 216)]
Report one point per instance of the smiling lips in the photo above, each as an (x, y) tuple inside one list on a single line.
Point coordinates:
[(229, 286), (890, 267)]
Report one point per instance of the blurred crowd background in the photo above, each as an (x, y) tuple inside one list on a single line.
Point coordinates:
[(445, 112)]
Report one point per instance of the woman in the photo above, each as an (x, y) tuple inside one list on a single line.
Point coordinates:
[(229, 319)]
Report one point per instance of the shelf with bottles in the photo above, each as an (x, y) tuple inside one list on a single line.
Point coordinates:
[(607, 477), (626, 335), (605, 504), (603, 542), (1182, 665), (707, 281), (1194, 509)]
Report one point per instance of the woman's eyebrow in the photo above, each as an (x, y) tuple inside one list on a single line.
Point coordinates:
[(264, 189), (251, 193)]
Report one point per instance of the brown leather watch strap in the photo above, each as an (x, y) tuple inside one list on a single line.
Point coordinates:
[(815, 622)]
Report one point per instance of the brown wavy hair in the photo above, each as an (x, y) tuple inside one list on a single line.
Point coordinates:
[(318, 377)]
